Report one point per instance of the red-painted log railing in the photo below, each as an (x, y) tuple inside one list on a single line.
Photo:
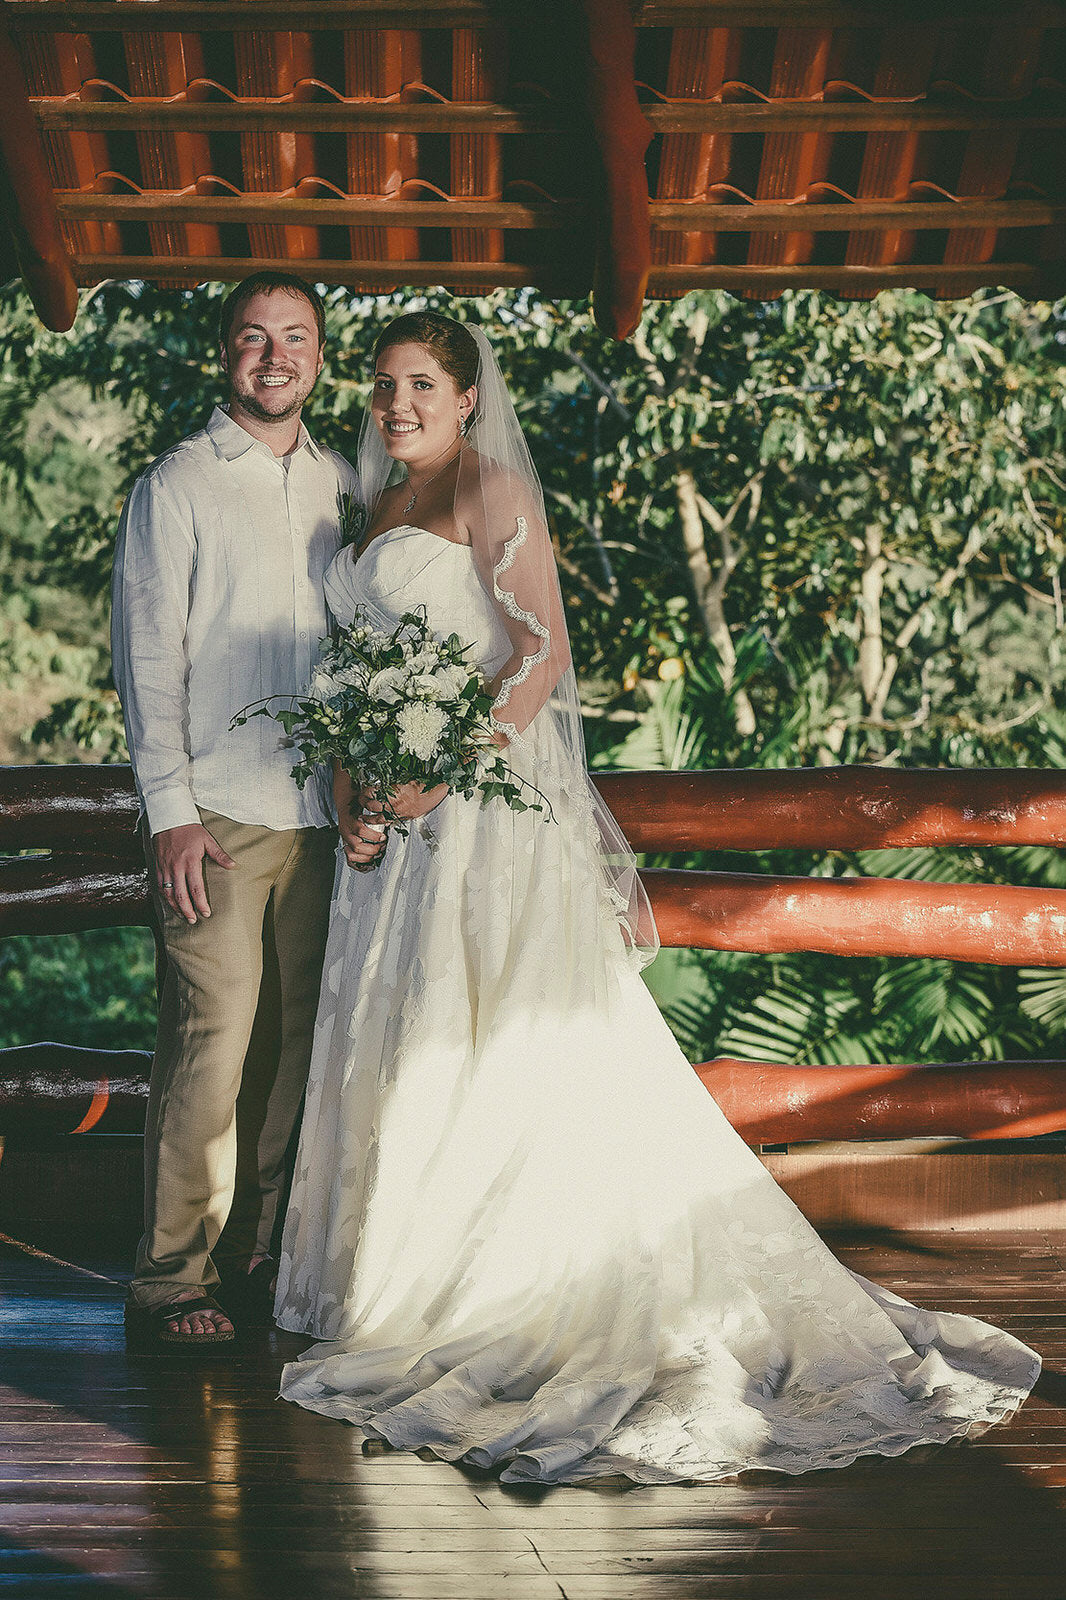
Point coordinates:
[(94, 875)]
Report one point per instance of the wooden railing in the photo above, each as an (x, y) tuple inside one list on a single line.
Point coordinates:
[(93, 874)]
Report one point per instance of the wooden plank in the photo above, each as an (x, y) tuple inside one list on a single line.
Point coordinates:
[(91, 269), (797, 117), (74, 804), (66, 893), (847, 217), (840, 808), (802, 116), (359, 211), (843, 13), (237, 16), (211, 16), (291, 116), (94, 269), (773, 1104), (676, 216), (865, 281)]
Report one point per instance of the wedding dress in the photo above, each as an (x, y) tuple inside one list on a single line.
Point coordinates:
[(521, 1229)]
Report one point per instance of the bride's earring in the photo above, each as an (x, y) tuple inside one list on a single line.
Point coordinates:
[(462, 426)]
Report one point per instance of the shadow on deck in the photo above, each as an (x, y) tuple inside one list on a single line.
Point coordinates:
[(181, 1481)]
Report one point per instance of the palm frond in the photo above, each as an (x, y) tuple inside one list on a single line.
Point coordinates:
[(923, 864), (1042, 995), (934, 1000)]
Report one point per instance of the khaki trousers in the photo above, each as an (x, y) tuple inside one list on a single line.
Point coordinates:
[(236, 1018)]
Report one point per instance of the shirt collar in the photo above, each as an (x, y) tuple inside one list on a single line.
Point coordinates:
[(232, 441)]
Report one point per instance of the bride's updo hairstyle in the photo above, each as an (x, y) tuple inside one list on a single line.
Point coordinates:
[(451, 345)]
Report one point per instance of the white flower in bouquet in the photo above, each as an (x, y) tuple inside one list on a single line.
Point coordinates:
[(323, 683), (421, 727), (444, 684), (386, 685), (452, 681), (353, 677)]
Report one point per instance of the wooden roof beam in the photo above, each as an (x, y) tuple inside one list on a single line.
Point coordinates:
[(1044, 281), (1037, 112), (227, 16), (358, 211), (681, 216)]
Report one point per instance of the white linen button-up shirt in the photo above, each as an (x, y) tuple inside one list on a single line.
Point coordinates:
[(217, 601)]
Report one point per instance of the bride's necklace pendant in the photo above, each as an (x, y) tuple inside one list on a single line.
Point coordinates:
[(428, 481)]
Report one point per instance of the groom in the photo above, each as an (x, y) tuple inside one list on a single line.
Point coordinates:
[(218, 602)]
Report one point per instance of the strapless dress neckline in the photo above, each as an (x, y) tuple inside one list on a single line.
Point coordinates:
[(408, 527)]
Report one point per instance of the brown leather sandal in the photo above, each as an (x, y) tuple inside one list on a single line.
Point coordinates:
[(147, 1332)]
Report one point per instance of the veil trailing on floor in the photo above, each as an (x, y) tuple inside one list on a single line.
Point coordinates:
[(500, 501)]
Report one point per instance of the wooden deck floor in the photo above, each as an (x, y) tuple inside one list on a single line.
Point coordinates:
[(182, 1481)]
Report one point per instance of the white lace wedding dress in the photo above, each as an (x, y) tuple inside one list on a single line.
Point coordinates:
[(524, 1231)]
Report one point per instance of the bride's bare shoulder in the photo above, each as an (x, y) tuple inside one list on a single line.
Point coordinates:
[(487, 490)]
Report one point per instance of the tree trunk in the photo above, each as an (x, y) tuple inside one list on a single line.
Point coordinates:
[(710, 591)]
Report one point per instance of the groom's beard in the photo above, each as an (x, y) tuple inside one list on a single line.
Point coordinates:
[(282, 409)]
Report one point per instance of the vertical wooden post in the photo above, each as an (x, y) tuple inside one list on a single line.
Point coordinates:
[(622, 132), (30, 201)]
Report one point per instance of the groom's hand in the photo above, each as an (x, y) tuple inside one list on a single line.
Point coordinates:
[(363, 837), (362, 828), (179, 866)]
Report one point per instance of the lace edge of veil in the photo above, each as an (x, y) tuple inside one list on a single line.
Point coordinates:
[(519, 614)]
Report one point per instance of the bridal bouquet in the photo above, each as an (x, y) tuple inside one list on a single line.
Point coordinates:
[(395, 708)]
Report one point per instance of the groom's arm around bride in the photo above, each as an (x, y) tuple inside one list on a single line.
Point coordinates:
[(218, 602)]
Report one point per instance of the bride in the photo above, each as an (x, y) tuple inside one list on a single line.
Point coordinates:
[(522, 1231)]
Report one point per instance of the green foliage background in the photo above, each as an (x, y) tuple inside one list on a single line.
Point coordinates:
[(793, 533)]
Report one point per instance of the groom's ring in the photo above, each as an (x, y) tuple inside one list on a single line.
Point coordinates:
[(168, 883)]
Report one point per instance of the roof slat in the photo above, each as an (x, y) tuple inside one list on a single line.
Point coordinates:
[(230, 16), (377, 65), (674, 216), (1022, 275), (1039, 112)]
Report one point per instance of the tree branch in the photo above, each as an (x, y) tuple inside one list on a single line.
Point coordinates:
[(943, 586)]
